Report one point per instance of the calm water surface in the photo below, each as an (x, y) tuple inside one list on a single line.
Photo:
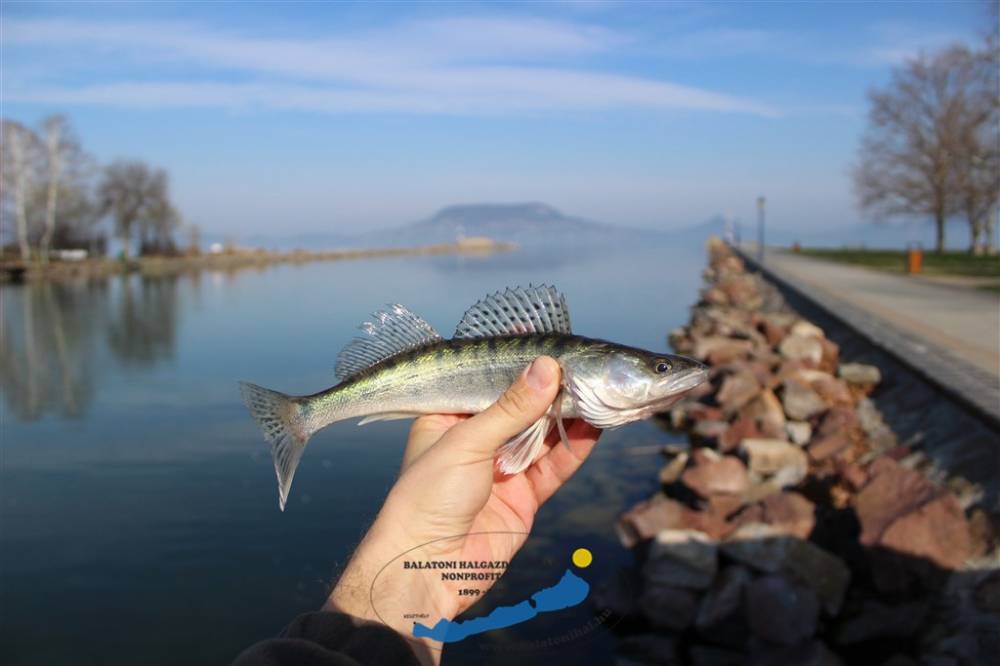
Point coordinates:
[(138, 510)]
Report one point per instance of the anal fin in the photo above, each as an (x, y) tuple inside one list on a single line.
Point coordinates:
[(387, 416)]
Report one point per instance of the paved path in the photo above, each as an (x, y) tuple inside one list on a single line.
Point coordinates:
[(950, 334)]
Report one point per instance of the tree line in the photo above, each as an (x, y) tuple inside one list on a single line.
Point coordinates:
[(55, 196), (932, 145)]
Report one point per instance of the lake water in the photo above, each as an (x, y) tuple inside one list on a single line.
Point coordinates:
[(138, 510)]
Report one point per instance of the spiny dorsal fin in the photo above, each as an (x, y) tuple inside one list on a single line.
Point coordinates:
[(393, 331), (518, 311)]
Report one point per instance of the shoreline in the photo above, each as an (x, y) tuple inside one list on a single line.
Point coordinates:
[(16, 271)]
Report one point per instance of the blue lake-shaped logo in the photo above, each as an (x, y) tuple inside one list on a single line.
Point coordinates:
[(470, 578)]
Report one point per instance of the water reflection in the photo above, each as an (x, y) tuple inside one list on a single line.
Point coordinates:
[(143, 327), (163, 489), (57, 338)]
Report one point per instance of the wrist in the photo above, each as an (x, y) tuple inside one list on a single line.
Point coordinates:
[(378, 586)]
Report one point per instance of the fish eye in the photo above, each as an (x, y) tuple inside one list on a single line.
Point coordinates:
[(662, 367)]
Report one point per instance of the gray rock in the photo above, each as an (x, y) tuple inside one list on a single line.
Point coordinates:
[(770, 548), (877, 620), (813, 653), (672, 471), (737, 390), (649, 648), (799, 432), (761, 546), (681, 558), (780, 611), (800, 401), (668, 607), (710, 429), (869, 416), (798, 347), (723, 599), (987, 593), (806, 329), (859, 374), (647, 518), (726, 474), (704, 655), (900, 660), (619, 594), (722, 347), (767, 410), (786, 463)]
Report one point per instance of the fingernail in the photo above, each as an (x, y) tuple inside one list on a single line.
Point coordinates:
[(539, 375)]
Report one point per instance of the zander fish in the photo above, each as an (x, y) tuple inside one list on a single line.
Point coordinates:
[(402, 368)]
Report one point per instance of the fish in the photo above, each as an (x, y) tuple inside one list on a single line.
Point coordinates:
[(401, 367)]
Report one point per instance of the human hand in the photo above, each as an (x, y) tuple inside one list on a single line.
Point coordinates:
[(452, 503)]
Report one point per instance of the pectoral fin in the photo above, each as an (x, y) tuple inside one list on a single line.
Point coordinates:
[(556, 410), (518, 453)]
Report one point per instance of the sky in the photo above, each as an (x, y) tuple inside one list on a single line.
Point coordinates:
[(309, 117)]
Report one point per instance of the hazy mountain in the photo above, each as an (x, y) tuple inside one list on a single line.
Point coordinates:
[(537, 227), (529, 225), (526, 224)]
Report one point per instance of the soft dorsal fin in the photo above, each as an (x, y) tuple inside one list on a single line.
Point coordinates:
[(393, 330), (518, 311)]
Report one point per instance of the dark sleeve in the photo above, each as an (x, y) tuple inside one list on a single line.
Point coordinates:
[(330, 639)]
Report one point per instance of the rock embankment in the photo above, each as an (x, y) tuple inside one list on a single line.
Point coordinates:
[(796, 529)]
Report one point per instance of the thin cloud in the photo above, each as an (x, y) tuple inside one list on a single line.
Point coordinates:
[(880, 45), (457, 66)]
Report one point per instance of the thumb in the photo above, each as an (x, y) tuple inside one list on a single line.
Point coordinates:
[(528, 398)]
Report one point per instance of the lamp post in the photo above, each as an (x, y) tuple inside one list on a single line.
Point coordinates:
[(760, 229)]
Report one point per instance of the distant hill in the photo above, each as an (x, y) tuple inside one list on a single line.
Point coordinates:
[(538, 226), (527, 224)]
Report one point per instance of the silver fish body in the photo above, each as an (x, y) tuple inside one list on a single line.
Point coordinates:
[(605, 383), (463, 376)]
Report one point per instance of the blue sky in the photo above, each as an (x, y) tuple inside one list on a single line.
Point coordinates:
[(294, 117)]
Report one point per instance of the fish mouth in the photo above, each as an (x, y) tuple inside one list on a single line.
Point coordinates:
[(689, 379), (676, 388)]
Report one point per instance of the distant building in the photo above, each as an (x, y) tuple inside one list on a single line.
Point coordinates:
[(70, 255)]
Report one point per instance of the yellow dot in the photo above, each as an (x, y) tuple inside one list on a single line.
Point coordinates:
[(582, 558)]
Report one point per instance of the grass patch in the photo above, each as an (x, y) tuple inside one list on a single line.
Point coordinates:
[(947, 263)]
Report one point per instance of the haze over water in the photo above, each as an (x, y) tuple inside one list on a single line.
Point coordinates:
[(138, 500)]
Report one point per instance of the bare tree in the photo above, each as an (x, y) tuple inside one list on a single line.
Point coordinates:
[(20, 172), (162, 220), (64, 161), (75, 216), (977, 151), (979, 143), (137, 197), (909, 163)]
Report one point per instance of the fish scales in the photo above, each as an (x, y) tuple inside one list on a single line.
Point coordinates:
[(450, 376)]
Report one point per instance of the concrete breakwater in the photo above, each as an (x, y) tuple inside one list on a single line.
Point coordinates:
[(797, 528)]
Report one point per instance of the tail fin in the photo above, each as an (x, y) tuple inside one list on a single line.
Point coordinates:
[(283, 426)]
